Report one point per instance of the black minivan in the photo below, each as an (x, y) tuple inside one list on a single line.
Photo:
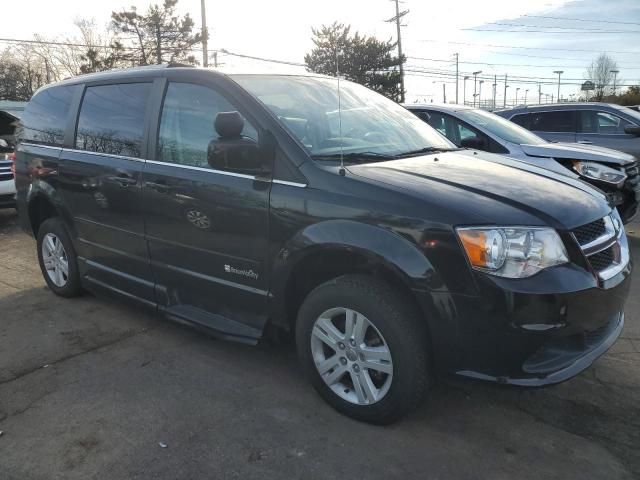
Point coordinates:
[(241, 202)]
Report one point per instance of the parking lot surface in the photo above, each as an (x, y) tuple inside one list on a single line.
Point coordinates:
[(92, 388)]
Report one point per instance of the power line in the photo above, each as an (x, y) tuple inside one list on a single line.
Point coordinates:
[(508, 64), (262, 59), (591, 29), (581, 19), (547, 31), (524, 48)]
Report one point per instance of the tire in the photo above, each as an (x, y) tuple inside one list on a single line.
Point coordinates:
[(400, 378), (61, 283)]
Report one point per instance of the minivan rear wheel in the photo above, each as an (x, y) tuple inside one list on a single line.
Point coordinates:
[(363, 348), (57, 258)]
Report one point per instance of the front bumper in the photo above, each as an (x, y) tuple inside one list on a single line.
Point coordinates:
[(531, 332)]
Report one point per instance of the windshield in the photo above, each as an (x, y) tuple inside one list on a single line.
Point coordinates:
[(372, 125), (500, 127)]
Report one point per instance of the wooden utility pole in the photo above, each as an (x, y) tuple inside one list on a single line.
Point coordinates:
[(205, 35), (397, 18), (456, 55)]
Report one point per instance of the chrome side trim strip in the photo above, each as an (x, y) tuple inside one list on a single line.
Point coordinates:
[(29, 144), (202, 169), (99, 154), (290, 184)]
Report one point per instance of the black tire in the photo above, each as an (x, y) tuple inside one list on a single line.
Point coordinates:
[(72, 288), (404, 333)]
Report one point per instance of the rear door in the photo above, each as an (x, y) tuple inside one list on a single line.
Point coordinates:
[(100, 180), (606, 129), (554, 125), (206, 226)]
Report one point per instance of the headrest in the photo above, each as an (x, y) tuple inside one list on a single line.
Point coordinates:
[(228, 124)]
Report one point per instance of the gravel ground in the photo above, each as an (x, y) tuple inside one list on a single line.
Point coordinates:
[(92, 388)]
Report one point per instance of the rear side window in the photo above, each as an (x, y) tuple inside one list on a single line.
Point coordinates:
[(604, 123), (522, 120), (45, 117), (559, 121), (112, 119)]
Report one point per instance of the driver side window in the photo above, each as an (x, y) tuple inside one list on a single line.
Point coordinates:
[(187, 125)]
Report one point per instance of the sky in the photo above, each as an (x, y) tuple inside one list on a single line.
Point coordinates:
[(434, 32)]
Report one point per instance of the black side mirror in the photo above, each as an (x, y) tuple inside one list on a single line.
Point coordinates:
[(476, 143), (632, 130), (233, 152)]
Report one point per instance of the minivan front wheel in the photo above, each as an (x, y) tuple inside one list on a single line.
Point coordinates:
[(364, 350), (57, 258)]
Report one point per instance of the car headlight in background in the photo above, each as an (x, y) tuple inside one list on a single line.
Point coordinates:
[(512, 252), (600, 172)]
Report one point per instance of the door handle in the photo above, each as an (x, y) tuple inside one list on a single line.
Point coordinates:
[(124, 180), (159, 186), (585, 142)]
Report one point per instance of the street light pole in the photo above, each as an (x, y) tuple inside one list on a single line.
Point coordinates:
[(615, 77), (480, 94), (559, 72), (517, 90), (475, 81), (456, 55), (525, 96)]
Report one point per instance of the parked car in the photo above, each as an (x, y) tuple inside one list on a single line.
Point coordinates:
[(616, 173), (602, 124), (376, 245), (7, 184)]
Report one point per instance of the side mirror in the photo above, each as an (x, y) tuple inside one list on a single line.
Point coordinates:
[(476, 143), (233, 152), (632, 130)]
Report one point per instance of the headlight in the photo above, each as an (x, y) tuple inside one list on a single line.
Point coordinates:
[(600, 172), (512, 252)]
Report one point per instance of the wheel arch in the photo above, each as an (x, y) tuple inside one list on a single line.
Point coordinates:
[(43, 202)]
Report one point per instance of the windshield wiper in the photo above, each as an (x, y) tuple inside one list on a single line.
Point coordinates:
[(420, 151), (354, 156)]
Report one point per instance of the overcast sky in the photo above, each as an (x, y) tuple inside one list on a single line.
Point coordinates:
[(281, 29)]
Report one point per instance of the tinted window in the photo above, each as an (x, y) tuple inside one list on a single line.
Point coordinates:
[(560, 121), (605, 123), (500, 127), (436, 120), (522, 120), (45, 117), (112, 119), (187, 124)]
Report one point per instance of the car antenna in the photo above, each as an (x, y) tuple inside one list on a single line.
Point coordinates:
[(341, 171)]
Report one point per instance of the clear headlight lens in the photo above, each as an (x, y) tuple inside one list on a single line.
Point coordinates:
[(600, 172), (513, 252)]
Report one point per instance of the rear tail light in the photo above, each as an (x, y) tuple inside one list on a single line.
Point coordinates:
[(12, 157)]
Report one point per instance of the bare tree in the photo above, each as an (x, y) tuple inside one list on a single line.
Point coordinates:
[(600, 72)]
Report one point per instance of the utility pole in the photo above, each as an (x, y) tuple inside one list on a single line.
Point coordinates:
[(47, 69), (444, 92), (525, 96), (495, 88), (480, 94), (456, 55), (397, 18), (615, 77), (504, 105), (539, 94), (205, 34), (464, 89), (475, 82), (215, 59), (559, 72), (158, 45)]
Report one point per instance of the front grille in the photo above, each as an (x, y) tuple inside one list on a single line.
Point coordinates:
[(5, 170), (589, 232), (602, 260)]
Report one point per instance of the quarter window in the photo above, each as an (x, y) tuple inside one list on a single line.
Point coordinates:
[(187, 124), (604, 123), (559, 121), (112, 119), (45, 117), (522, 120)]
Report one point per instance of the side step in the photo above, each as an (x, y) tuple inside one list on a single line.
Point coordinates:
[(219, 326)]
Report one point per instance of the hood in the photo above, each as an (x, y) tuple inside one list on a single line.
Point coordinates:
[(579, 151), (483, 188)]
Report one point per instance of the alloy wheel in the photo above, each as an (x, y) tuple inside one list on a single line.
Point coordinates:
[(54, 258)]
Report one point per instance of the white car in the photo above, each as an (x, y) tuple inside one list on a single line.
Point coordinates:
[(614, 172), (7, 183)]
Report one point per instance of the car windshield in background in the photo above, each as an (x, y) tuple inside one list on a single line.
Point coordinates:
[(500, 127), (369, 128)]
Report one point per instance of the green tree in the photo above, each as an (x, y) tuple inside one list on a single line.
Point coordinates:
[(362, 59), (159, 35)]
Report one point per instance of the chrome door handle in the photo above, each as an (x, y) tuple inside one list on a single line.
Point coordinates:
[(585, 142)]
